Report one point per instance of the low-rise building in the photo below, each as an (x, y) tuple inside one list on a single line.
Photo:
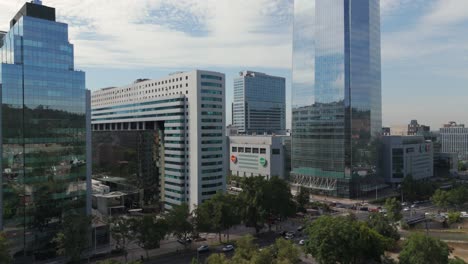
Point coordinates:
[(264, 155), (406, 155)]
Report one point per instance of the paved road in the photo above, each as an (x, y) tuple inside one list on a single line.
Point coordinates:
[(262, 240)]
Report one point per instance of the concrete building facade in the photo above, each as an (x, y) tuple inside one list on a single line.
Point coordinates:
[(259, 156), (406, 155), (186, 111), (454, 139)]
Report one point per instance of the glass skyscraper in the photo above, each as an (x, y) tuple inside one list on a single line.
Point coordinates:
[(259, 103), (336, 96), (44, 132)]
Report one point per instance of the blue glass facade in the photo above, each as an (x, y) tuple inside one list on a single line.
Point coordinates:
[(259, 103), (336, 95), (44, 132)]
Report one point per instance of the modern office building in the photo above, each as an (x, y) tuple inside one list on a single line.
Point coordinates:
[(259, 103), (454, 139), (414, 128), (186, 113), (45, 132), (336, 96), (259, 155), (406, 155)]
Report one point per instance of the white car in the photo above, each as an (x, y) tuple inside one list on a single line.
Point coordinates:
[(203, 248), (406, 209), (228, 248), (464, 214), (302, 242)]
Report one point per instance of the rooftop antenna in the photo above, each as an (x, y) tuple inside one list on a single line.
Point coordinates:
[(37, 2)]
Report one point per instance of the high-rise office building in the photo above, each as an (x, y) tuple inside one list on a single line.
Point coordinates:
[(259, 103), (336, 95), (45, 133), (186, 113), (454, 139)]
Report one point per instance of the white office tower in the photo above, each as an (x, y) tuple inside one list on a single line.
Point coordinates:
[(186, 111)]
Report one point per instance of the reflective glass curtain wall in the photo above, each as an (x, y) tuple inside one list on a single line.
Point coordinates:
[(336, 95), (44, 133)]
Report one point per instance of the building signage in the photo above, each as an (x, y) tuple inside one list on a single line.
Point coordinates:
[(263, 162), (233, 159)]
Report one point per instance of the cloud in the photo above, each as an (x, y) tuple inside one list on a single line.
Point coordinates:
[(183, 33)]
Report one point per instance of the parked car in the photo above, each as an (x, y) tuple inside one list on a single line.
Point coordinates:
[(184, 241), (464, 214), (300, 228), (302, 242), (414, 205), (364, 209), (404, 204), (203, 248), (289, 237), (228, 248), (406, 209)]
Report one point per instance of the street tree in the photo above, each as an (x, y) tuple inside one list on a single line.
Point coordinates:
[(344, 240), (73, 237), (422, 249), (219, 213), (440, 198), (253, 202), (217, 259), (302, 199), (382, 225), (149, 231), (121, 230), (5, 256), (180, 221), (393, 207), (278, 200)]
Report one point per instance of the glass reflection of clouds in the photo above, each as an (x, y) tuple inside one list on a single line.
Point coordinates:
[(336, 96)]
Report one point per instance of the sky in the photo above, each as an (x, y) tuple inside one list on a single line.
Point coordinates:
[(424, 46)]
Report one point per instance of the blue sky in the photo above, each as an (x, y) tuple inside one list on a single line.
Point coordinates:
[(424, 46)]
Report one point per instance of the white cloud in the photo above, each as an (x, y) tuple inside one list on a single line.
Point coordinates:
[(183, 33)]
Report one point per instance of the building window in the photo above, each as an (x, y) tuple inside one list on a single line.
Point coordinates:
[(234, 149), (262, 151), (241, 149), (248, 150), (255, 150), (275, 151)]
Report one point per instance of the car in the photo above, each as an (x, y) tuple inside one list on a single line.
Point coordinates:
[(302, 242), (464, 214), (406, 209), (290, 233), (414, 205), (404, 204), (364, 209), (300, 228), (228, 248), (383, 211), (184, 241), (289, 237), (203, 248)]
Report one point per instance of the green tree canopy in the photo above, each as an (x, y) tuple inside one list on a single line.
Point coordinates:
[(344, 240), (74, 236), (302, 199), (121, 230), (382, 225), (180, 221), (149, 231), (219, 213), (5, 256), (421, 249), (393, 207)]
